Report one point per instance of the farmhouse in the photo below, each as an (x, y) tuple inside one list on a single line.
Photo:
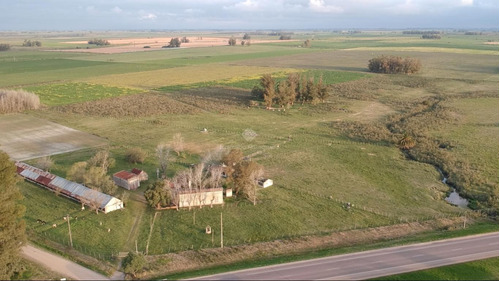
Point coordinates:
[(198, 198), (265, 183), (130, 180), (75, 191)]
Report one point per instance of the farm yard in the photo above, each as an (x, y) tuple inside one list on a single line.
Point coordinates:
[(320, 157)]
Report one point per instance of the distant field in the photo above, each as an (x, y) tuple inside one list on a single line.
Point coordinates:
[(181, 75)]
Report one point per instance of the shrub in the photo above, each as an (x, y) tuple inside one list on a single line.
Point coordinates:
[(133, 263), (4, 47), (135, 155), (17, 101), (394, 65)]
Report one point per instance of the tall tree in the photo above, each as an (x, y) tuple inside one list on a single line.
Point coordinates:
[(158, 194), (245, 178), (232, 41), (267, 82), (162, 154), (12, 227)]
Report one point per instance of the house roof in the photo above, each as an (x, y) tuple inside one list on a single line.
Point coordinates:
[(137, 171), (126, 175)]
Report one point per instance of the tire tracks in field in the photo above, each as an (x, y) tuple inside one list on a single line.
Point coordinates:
[(134, 230)]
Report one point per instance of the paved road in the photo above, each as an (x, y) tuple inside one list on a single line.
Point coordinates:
[(375, 263), (66, 268)]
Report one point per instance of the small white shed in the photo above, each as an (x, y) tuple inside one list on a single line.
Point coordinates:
[(264, 183)]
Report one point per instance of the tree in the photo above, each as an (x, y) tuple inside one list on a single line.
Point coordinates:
[(77, 172), (232, 41), (268, 84), (174, 43), (177, 143), (246, 36), (307, 44), (97, 179), (44, 163), (12, 227), (322, 90), (102, 159), (245, 177), (184, 40), (162, 154), (159, 194), (133, 263), (231, 159), (135, 155)]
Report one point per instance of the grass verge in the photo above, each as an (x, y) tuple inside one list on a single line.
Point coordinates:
[(477, 228), (486, 269)]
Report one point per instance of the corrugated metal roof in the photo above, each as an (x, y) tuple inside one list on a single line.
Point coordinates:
[(29, 174), (73, 189), (81, 191), (126, 175)]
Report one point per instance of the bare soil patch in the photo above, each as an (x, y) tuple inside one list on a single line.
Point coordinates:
[(25, 137), (138, 44), (216, 99), (190, 260)]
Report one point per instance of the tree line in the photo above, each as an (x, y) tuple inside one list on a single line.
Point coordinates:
[(394, 65), (4, 47), (420, 32), (29, 43), (431, 36), (98, 42), (296, 88)]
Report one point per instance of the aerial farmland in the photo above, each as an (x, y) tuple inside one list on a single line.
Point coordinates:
[(342, 170)]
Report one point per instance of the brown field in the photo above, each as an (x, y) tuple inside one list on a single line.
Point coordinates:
[(25, 137), (138, 44)]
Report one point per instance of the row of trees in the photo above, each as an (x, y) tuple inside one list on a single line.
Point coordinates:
[(98, 42), (421, 32), (17, 101), (295, 88), (431, 36), (394, 65), (29, 43)]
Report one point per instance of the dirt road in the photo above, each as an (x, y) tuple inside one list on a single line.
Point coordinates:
[(66, 268)]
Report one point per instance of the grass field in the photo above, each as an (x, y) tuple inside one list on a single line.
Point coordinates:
[(320, 157), (477, 270)]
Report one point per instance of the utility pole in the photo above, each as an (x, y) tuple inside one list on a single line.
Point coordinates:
[(221, 233), (69, 231)]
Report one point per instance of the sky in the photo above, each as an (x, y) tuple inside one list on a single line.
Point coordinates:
[(246, 14)]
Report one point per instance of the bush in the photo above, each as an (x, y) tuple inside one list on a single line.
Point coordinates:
[(394, 65), (133, 263), (4, 47), (17, 101), (135, 155)]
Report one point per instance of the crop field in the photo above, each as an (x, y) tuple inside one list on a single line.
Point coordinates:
[(319, 156)]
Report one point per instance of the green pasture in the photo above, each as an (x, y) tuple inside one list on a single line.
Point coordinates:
[(59, 94), (315, 165), (486, 269)]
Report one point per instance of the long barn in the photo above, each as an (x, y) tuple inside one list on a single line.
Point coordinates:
[(75, 191)]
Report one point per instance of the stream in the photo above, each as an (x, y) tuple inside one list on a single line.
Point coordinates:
[(454, 198)]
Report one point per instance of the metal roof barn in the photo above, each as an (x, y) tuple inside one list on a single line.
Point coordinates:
[(78, 192)]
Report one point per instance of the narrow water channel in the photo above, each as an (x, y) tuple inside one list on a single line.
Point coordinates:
[(454, 198)]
